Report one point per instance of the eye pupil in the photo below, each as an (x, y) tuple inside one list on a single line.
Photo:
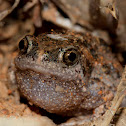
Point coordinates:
[(21, 45), (72, 56)]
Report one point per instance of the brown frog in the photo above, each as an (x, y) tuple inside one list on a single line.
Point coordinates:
[(67, 73)]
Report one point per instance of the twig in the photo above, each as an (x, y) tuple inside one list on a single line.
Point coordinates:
[(8, 11), (121, 93)]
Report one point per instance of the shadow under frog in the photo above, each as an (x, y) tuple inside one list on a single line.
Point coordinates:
[(67, 73)]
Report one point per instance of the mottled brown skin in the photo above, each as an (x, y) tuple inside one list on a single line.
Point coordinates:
[(66, 73)]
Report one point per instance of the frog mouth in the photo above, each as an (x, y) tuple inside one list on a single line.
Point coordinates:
[(49, 68)]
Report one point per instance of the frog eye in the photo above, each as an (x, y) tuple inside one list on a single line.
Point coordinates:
[(23, 45), (69, 56)]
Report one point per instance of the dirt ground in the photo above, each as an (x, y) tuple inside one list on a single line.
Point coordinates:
[(21, 17)]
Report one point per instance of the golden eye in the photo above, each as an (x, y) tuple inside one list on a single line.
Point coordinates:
[(70, 56)]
